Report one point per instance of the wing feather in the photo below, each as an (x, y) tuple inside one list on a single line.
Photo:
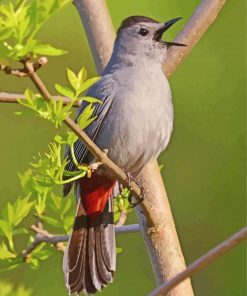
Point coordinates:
[(102, 90)]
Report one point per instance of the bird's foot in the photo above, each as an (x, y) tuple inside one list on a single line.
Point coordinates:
[(133, 201), (94, 165)]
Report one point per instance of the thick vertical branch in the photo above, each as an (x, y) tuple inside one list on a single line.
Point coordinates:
[(159, 232), (161, 237), (98, 26)]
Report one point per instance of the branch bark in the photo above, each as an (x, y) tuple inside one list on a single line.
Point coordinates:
[(202, 262), (100, 33), (159, 232)]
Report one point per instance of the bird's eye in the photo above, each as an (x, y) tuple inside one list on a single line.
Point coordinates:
[(143, 32)]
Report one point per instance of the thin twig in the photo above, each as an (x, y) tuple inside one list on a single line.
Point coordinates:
[(202, 262), (42, 61), (10, 71), (43, 236), (13, 98)]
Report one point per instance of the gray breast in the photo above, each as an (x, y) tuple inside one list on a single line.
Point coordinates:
[(139, 123)]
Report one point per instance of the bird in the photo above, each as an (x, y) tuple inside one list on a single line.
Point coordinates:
[(134, 123)]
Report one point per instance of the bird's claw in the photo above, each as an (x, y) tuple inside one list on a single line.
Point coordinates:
[(132, 203), (130, 198), (94, 165)]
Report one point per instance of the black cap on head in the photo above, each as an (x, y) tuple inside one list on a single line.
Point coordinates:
[(132, 20)]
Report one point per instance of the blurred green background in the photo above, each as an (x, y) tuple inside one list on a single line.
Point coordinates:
[(204, 166)]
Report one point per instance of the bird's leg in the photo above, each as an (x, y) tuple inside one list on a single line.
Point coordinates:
[(140, 198), (130, 178), (94, 165)]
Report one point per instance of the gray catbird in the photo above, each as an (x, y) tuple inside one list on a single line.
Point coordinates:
[(134, 122)]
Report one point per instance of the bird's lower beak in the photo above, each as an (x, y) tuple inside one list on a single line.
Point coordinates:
[(163, 29)]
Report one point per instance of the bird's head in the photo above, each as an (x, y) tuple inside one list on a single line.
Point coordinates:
[(142, 36)]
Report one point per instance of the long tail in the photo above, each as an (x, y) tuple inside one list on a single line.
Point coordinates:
[(90, 257)]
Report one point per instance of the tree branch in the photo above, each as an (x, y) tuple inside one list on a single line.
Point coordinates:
[(98, 26), (42, 61), (43, 236), (202, 262), (13, 98), (202, 18)]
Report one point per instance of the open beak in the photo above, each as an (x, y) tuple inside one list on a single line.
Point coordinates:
[(158, 34)]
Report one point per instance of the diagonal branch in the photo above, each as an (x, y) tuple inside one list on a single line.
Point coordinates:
[(202, 262), (202, 18)]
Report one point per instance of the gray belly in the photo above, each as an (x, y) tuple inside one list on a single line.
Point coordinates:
[(137, 127)]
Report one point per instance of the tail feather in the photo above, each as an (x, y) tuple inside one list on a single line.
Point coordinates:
[(104, 272), (92, 261), (89, 261), (108, 234)]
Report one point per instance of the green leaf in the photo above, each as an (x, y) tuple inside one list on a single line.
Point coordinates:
[(60, 139), (56, 202), (22, 291), (88, 83), (67, 205), (6, 288), (91, 100), (82, 75), (85, 118), (119, 250), (47, 49), (67, 223), (65, 91), (34, 262), (75, 83), (11, 213), (5, 34), (5, 253), (43, 254), (22, 208), (20, 231), (51, 221), (5, 228), (72, 137)]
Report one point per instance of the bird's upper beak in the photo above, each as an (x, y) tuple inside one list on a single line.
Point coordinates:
[(158, 34)]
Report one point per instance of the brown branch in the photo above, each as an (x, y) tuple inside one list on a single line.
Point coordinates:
[(9, 71), (202, 262), (13, 98), (204, 15), (42, 61), (43, 236), (98, 26)]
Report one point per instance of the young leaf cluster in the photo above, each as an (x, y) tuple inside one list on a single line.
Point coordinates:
[(20, 22), (11, 226), (121, 204), (8, 289)]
